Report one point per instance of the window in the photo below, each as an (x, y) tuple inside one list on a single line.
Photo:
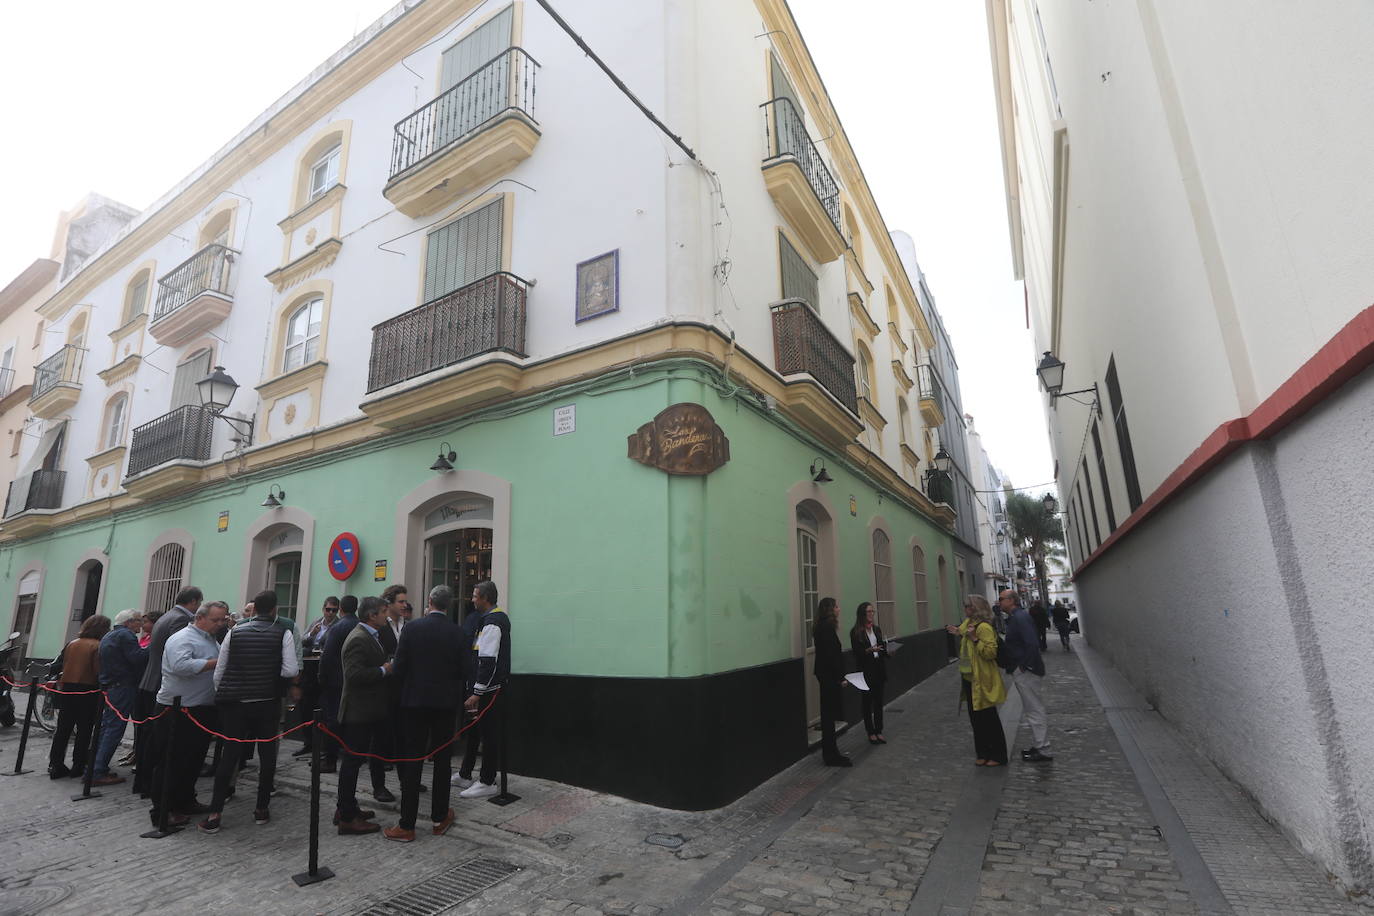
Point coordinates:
[(38, 333), (164, 577), (1123, 436), (904, 421), (1102, 476), (863, 372), (1082, 532), (464, 251), (324, 174), (192, 370), (959, 573), (18, 441), (856, 238), (24, 611), (303, 335), (1078, 488), (883, 598), (7, 372), (481, 98), (76, 331), (136, 297), (1092, 501), (284, 578), (918, 575), (218, 229), (798, 279), (808, 570), (116, 415)]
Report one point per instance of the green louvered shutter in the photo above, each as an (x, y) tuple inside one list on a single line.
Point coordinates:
[(465, 250), (486, 94)]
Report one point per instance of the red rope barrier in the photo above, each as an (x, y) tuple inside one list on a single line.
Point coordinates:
[(130, 719), (477, 718), (210, 731), (68, 693)]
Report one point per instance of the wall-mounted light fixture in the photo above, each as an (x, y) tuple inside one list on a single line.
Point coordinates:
[(216, 392), (446, 458), (1051, 504), (821, 476), (275, 497), (1051, 373), (943, 461)]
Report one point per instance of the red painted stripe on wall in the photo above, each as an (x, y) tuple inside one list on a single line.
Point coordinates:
[(1342, 358)]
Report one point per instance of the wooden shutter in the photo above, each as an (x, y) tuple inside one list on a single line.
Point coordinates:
[(465, 250), (476, 49), (184, 382), (798, 280)]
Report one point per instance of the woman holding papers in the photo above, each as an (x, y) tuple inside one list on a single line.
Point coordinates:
[(829, 671), (870, 653), (983, 688)]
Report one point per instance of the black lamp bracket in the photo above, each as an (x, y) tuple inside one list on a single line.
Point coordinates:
[(242, 427), (1095, 403)]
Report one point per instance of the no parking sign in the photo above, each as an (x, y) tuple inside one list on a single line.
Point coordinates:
[(343, 556)]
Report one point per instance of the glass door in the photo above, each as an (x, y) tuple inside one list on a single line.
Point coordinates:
[(460, 559)]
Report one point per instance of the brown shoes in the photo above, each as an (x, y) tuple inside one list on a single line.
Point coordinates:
[(399, 834), (108, 779), (362, 826), (441, 827)]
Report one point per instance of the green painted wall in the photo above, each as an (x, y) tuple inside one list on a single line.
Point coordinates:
[(616, 569)]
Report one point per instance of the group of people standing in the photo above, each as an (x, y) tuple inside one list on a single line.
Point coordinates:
[(870, 657), (390, 687)]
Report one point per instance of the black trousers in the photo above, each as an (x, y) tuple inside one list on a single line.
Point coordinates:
[(830, 711), (872, 701), (247, 720), (422, 730), (489, 730), (189, 746), (989, 742), (360, 737), (77, 714)]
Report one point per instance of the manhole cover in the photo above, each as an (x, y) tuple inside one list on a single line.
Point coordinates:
[(445, 890), (559, 840), (667, 840)]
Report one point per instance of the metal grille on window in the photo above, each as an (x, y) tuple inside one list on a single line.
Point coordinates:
[(164, 577), (798, 280), (465, 250), (882, 581)]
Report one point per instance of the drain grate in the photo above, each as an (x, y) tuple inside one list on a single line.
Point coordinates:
[(445, 890)]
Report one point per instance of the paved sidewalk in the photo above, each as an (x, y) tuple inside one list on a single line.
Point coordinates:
[(1129, 824)]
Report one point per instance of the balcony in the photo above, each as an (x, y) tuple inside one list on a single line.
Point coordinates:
[(802, 343), (940, 487), (57, 382), (40, 490), (802, 187), (480, 129), (185, 434), (195, 296), (931, 395)]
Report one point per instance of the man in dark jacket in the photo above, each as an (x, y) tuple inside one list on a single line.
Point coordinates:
[(429, 664), (1027, 672), (362, 705), (122, 661), (253, 659), (492, 651), (150, 748), (331, 678)]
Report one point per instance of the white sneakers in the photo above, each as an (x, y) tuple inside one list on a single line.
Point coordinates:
[(460, 781), (479, 790)]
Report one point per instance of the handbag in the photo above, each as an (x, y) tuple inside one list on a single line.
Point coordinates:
[(1004, 660)]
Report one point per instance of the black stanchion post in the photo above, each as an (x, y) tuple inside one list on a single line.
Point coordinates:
[(24, 734), (314, 873), (505, 797), (90, 758), (164, 801)]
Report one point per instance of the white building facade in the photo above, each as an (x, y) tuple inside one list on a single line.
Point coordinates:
[(1191, 212)]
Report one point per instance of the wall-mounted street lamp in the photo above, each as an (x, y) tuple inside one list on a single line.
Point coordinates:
[(446, 458), (275, 497), (1051, 504), (216, 392), (1051, 373), (821, 476), (943, 461)]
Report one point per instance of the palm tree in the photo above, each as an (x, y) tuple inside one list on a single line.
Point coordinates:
[(1035, 532)]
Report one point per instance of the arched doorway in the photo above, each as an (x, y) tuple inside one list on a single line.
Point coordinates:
[(279, 545), (814, 568), (459, 539), (87, 593)]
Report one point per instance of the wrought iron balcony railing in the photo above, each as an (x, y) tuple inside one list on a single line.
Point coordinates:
[(40, 490), (62, 368), (186, 433), (208, 270), (802, 343), (483, 316), (929, 386), (786, 135), (940, 487), (505, 82)]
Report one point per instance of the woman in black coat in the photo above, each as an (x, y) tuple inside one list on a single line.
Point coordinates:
[(870, 654), (829, 671)]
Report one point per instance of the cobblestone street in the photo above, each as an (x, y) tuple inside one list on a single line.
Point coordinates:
[(912, 827)]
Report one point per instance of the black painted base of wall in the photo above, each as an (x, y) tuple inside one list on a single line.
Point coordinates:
[(685, 743)]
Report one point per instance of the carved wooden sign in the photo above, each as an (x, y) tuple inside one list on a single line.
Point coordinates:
[(683, 439)]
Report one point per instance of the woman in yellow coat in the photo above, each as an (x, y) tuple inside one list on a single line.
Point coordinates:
[(982, 682)]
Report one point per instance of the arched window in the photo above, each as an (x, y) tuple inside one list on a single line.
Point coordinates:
[(303, 335), (322, 164), (942, 575), (892, 308), (863, 371), (116, 421), (904, 421), (918, 575), (217, 230), (808, 570), (136, 296), (882, 581), (164, 577)]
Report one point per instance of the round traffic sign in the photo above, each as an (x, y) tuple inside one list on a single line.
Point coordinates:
[(343, 556)]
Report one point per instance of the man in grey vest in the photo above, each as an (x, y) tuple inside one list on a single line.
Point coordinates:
[(150, 746), (253, 658)]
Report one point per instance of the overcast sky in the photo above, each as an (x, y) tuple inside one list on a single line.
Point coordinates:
[(145, 90)]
